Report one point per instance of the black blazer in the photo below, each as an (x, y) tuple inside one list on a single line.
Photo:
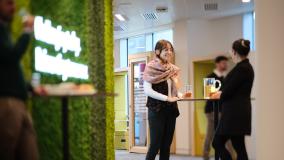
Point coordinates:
[(236, 101)]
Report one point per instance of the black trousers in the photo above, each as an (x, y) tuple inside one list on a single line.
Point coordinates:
[(162, 127), (238, 144)]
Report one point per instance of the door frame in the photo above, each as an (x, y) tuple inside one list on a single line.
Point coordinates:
[(132, 59), (192, 109), (137, 149)]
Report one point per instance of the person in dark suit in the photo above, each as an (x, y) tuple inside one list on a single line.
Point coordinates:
[(17, 135), (221, 66), (235, 99)]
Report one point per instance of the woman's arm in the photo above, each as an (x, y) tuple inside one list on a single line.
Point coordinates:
[(153, 94)]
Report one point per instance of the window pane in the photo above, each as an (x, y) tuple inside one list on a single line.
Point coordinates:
[(123, 53), (248, 28), (137, 44), (149, 42), (166, 35), (140, 111)]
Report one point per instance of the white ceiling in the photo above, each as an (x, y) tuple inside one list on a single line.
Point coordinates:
[(177, 10)]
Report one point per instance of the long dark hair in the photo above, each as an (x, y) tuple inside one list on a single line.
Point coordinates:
[(162, 44), (242, 47)]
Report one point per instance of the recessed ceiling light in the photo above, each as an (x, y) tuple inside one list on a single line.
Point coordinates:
[(246, 1), (120, 17)]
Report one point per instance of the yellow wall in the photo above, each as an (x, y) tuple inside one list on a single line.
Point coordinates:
[(201, 70), (120, 108), (120, 102)]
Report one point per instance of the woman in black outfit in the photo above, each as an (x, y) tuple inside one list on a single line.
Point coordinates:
[(160, 85), (235, 122)]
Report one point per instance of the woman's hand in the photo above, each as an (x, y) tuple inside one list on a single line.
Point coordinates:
[(39, 91), (216, 95), (28, 22), (180, 95), (172, 99)]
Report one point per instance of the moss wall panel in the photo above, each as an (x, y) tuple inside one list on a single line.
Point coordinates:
[(47, 122), (100, 23), (71, 15)]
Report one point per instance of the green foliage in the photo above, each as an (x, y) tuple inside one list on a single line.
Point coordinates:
[(108, 40), (80, 128), (47, 112), (47, 122), (100, 23)]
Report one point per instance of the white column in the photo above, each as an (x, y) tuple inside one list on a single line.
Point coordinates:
[(183, 134), (270, 79)]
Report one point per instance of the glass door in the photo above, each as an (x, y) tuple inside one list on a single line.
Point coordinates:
[(139, 131), (138, 114)]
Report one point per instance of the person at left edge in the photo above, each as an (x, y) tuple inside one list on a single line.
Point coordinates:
[(17, 135)]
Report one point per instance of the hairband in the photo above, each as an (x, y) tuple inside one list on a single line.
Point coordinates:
[(243, 43)]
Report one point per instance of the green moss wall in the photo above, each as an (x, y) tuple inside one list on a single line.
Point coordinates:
[(100, 23), (91, 124)]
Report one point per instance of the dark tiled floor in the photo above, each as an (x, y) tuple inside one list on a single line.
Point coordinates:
[(125, 155)]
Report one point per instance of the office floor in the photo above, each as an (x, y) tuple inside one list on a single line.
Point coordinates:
[(125, 155)]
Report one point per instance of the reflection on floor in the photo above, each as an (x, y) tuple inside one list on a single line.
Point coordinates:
[(124, 155)]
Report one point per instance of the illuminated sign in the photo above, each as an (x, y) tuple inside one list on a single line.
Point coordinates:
[(61, 40), (67, 41), (57, 65)]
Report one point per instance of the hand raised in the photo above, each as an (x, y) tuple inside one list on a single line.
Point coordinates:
[(28, 22)]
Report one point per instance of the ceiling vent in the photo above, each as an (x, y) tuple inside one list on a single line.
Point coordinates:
[(211, 6), (162, 9), (149, 16)]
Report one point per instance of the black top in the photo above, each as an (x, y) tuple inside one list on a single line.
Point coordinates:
[(12, 82), (157, 105), (209, 104), (236, 101)]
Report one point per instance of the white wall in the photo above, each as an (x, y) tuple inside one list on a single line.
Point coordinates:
[(183, 134), (213, 36), (116, 53), (270, 78), (251, 140)]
